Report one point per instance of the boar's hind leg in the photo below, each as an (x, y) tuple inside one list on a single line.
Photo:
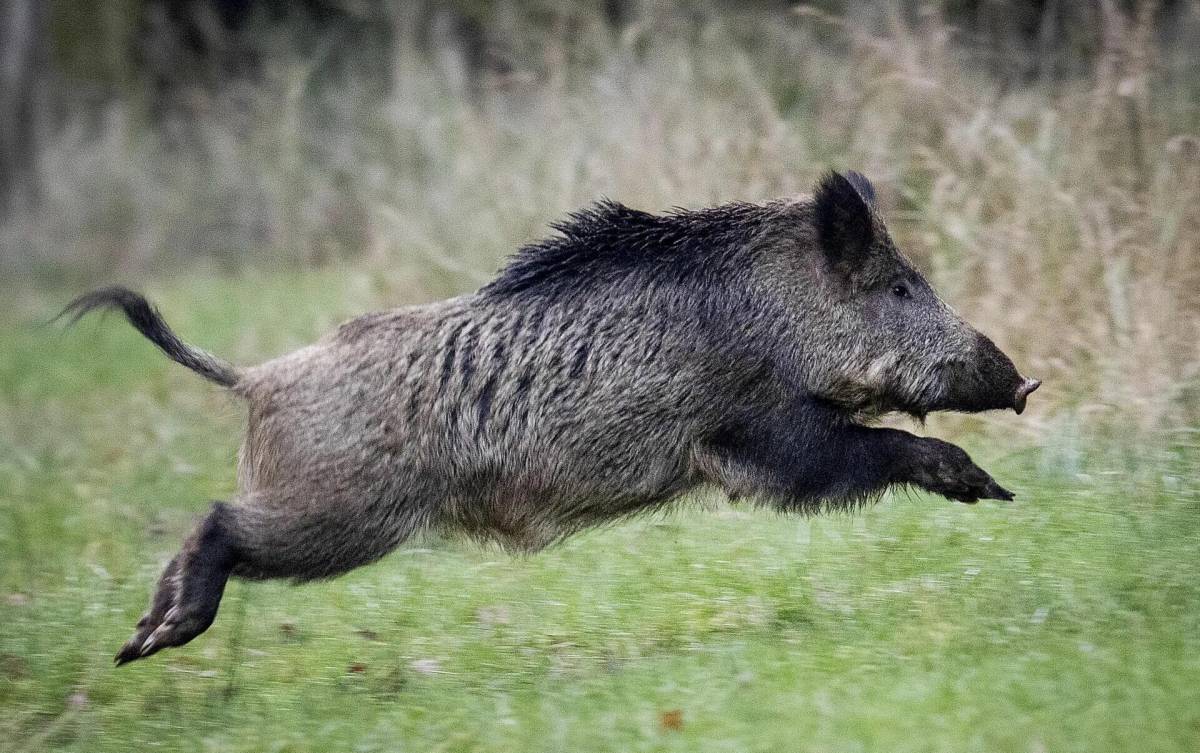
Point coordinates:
[(267, 535), (189, 590), (286, 535)]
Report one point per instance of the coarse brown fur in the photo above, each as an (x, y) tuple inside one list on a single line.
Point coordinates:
[(606, 371)]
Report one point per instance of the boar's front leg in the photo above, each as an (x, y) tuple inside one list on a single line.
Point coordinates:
[(945, 469), (810, 458)]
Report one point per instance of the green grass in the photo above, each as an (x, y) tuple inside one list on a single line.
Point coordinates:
[(1067, 621)]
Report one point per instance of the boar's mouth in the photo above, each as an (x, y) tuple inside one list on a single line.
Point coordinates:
[(986, 381), (897, 392)]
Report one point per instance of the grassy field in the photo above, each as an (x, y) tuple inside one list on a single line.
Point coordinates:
[(1068, 620), (1052, 194)]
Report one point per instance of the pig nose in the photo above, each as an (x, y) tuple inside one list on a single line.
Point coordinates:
[(1026, 386)]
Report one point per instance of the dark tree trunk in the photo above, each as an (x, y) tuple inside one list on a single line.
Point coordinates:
[(22, 61)]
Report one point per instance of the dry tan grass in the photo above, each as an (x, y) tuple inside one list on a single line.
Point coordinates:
[(1062, 215)]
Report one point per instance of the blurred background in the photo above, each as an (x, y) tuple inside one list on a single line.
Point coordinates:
[(264, 169), (1041, 160)]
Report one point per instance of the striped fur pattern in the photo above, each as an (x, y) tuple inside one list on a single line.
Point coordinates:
[(605, 372)]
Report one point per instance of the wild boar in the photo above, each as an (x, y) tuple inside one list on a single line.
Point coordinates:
[(606, 371)]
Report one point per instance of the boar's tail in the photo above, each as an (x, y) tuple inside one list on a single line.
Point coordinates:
[(146, 319)]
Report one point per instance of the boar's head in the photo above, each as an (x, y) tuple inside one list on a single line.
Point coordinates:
[(872, 335)]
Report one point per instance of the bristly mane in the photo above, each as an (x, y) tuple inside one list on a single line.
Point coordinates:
[(610, 241)]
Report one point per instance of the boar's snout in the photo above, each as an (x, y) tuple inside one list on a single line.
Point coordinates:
[(1008, 388), (985, 380), (1024, 389)]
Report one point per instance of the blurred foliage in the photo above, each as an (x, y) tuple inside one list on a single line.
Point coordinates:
[(1040, 159)]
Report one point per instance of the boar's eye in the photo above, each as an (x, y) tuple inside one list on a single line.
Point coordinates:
[(901, 291)]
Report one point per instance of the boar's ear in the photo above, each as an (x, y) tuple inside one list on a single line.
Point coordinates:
[(845, 227), (862, 185)]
